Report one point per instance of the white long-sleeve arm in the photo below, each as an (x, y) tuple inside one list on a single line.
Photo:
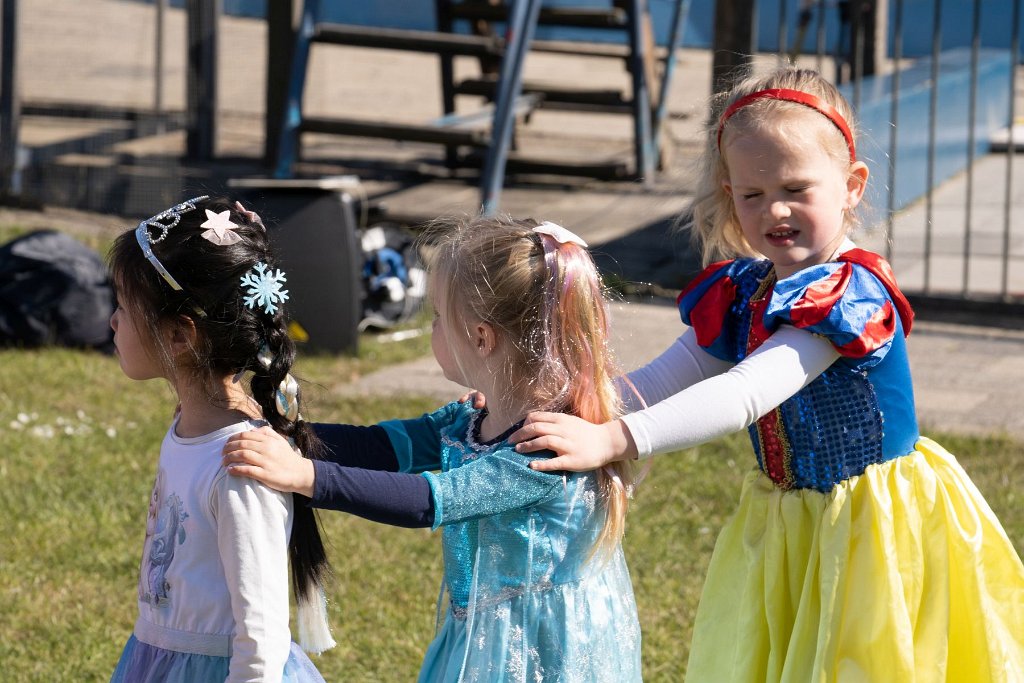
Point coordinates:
[(724, 403), (681, 365), (253, 523)]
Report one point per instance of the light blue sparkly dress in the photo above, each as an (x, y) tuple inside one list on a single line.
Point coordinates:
[(526, 597)]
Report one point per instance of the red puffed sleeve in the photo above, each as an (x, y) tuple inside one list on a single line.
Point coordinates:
[(845, 302), (708, 302)]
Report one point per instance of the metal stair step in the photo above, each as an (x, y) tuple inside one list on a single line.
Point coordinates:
[(409, 40), (580, 17), (471, 129), (591, 98), (518, 163), (396, 131), (482, 117)]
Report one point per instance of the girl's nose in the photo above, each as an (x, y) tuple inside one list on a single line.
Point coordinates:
[(113, 321), (778, 209)]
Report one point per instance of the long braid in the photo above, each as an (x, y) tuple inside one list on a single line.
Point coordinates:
[(306, 549)]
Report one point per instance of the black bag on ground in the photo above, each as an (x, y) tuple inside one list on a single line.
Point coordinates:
[(54, 291)]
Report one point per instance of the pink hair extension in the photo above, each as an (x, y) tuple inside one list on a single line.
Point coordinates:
[(568, 351)]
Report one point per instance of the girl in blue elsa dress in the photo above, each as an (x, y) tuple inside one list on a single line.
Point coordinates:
[(537, 585)]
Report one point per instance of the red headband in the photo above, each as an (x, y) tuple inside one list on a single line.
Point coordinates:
[(799, 97)]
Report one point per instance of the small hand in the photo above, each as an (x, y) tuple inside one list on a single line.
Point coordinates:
[(267, 457), (477, 397), (580, 445)]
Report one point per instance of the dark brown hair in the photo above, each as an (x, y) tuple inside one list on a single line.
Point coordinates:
[(229, 334)]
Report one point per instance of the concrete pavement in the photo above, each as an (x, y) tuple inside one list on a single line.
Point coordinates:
[(967, 379)]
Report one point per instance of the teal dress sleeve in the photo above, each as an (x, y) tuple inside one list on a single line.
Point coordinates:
[(417, 442), (500, 482)]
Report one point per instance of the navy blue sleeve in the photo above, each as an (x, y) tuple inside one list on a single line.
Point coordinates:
[(354, 446), (395, 498)]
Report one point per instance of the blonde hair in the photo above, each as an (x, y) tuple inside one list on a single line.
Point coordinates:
[(493, 269), (715, 227)]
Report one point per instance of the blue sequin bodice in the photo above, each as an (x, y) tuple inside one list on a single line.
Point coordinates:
[(506, 527), (530, 594)]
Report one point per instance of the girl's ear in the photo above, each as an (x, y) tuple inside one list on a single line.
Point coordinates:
[(856, 183), (181, 336), (484, 339)]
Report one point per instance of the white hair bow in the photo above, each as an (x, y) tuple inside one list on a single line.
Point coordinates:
[(559, 234)]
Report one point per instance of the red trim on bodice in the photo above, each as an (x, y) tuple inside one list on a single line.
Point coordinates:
[(776, 453)]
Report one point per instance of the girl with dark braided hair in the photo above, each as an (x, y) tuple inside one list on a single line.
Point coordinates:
[(200, 304)]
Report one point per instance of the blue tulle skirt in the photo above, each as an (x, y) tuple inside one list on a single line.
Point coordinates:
[(580, 632), (143, 663)]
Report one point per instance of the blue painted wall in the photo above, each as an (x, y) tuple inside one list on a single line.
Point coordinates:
[(918, 19), (951, 125)]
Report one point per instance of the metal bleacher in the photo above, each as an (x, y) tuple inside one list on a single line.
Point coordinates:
[(483, 137)]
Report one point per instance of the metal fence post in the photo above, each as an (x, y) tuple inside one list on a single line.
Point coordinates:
[(280, 43), (734, 41), (933, 106), (201, 84), (158, 66), (972, 115), (894, 117), (10, 111), (1011, 149)]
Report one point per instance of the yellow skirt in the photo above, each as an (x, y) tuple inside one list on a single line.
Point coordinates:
[(902, 574)]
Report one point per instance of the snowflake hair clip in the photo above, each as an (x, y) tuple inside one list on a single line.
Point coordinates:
[(559, 234), (264, 288), (219, 228)]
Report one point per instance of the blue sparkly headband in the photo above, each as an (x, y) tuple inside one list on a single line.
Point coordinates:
[(163, 221)]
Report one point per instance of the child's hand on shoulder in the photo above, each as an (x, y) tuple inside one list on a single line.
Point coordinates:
[(267, 457), (580, 446), (477, 398)]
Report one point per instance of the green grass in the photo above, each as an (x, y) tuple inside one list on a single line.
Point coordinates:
[(99, 243), (79, 451)]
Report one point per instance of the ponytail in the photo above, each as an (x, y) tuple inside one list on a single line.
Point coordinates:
[(576, 322)]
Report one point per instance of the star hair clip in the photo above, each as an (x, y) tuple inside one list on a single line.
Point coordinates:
[(219, 228), (559, 234), (263, 288)]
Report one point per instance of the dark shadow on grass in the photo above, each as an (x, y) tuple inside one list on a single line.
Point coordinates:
[(655, 259)]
